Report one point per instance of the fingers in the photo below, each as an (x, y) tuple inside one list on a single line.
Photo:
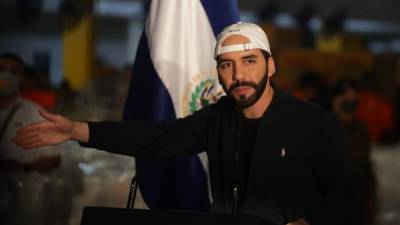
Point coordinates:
[(31, 140), (30, 144), (26, 139), (30, 136), (48, 116), (32, 127)]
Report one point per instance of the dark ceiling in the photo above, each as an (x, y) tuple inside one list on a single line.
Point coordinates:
[(384, 10)]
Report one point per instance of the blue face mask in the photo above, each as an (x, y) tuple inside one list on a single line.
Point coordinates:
[(8, 84)]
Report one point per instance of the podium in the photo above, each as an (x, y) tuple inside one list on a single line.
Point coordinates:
[(124, 216)]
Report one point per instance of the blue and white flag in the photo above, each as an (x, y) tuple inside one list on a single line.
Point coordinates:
[(174, 74)]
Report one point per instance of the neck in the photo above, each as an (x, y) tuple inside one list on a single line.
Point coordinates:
[(257, 110)]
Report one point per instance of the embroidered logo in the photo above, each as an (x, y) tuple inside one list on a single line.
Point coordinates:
[(283, 152)]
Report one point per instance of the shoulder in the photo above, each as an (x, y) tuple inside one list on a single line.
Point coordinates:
[(291, 102), (299, 111), (28, 111), (28, 104)]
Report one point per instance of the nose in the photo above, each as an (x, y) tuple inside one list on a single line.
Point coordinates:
[(238, 72)]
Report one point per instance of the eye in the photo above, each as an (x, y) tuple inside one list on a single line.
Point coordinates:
[(225, 65), (250, 61)]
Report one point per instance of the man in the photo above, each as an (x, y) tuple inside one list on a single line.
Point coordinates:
[(14, 64), (269, 154)]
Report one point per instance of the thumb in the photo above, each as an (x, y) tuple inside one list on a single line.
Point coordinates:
[(47, 116)]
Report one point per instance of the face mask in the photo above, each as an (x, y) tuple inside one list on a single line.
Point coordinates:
[(349, 106), (8, 84)]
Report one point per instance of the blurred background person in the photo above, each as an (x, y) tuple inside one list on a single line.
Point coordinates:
[(374, 110), (32, 85), (331, 37), (27, 172), (312, 88), (344, 104), (304, 18)]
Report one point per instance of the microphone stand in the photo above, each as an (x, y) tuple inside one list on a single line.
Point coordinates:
[(132, 194)]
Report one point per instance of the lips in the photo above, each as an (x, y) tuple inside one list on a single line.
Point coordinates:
[(241, 90)]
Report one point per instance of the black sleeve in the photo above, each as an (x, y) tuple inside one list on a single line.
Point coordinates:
[(184, 136), (339, 203)]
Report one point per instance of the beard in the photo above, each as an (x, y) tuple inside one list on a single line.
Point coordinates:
[(243, 101)]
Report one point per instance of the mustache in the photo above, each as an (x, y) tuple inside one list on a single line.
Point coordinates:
[(241, 84)]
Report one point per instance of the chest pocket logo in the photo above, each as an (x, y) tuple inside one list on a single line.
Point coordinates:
[(283, 152)]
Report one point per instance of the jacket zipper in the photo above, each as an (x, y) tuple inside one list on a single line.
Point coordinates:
[(235, 184)]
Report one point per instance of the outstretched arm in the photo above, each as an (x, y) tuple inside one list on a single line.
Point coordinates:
[(184, 136), (55, 129)]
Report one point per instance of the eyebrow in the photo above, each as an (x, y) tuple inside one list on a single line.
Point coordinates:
[(252, 56), (219, 59)]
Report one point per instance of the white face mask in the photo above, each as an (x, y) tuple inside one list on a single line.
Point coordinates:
[(8, 84)]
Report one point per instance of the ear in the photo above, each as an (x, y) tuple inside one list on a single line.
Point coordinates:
[(271, 67)]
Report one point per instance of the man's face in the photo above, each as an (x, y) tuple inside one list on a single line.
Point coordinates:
[(11, 66), (8, 85), (347, 102), (243, 74), (17, 68)]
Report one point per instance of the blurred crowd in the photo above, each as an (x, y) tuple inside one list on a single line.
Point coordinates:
[(39, 186), (335, 70)]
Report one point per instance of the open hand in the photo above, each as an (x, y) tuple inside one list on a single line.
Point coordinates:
[(55, 129)]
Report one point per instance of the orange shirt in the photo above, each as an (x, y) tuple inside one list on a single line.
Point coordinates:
[(44, 98), (376, 113)]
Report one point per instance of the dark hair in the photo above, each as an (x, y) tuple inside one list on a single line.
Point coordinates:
[(12, 56), (265, 54), (342, 85)]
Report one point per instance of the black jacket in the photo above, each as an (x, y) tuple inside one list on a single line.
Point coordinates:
[(297, 169)]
